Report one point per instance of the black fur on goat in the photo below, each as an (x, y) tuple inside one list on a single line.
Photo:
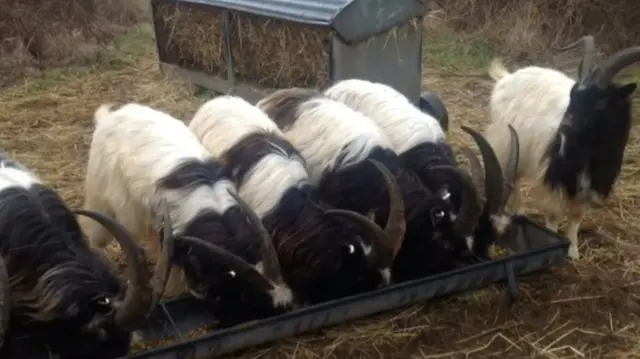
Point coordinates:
[(325, 253), (587, 151), (63, 293), (227, 258)]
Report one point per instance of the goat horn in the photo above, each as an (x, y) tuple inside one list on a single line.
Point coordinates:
[(139, 295), (163, 265), (477, 172), (493, 181), (616, 63), (465, 223), (511, 172), (586, 64), (383, 250), (271, 265), (229, 260), (5, 300), (396, 222)]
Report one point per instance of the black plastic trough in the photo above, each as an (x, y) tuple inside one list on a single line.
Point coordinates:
[(533, 249), (537, 248)]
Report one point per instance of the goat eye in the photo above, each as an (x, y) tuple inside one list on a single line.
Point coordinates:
[(351, 249), (104, 301), (231, 274)]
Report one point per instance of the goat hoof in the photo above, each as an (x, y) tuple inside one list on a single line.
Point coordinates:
[(573, 253)]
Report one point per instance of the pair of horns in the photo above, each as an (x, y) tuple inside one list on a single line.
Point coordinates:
[(497, 187), (616, 63), (386, 243), (272, 273), (140, 298)]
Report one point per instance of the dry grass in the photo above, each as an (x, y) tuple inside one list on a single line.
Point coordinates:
[(587, 309), (270, 53), (525, 29), (45, 33)]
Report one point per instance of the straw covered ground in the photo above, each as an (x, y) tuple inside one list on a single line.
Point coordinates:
[(588, 309)]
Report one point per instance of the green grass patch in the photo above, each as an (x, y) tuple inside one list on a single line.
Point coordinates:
[(129, 46), (453, 52)]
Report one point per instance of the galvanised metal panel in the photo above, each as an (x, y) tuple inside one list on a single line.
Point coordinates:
[(392, 58), (353, 20), (316, 12)]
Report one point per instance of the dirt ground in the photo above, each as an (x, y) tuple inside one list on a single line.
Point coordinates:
[(587, 309)]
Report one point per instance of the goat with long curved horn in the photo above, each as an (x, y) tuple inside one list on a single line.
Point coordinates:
[(496, 188), (573, 134)]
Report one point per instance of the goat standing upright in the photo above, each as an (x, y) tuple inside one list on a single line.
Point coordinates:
[(572, 133)]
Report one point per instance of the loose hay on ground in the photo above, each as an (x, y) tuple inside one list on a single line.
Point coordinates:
[(588, 309), (266, 52)]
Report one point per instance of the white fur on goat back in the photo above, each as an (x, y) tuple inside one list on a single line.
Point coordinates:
[(223, 122), (16, 176), (533, 100), (216, 122), (405, 125), (133, 148), (331, 135)]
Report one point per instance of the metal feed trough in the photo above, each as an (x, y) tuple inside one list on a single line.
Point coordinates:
[(532, 246), (249, 47)]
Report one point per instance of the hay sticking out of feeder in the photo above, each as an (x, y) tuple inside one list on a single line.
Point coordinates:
[(270, 53)]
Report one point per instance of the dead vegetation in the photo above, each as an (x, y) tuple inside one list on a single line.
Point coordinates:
[(530, 28), (44, 33), (586, 309), (265, 52)]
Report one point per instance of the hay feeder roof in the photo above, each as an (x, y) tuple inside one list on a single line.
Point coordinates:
[(251, 47), (352, 20)]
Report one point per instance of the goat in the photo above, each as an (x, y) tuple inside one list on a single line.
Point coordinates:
[(325, 253), (420, 142), (337, 144), (61, 291), (573, 133), (139, 157)]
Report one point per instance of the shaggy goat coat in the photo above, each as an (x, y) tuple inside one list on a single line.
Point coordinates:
[(421, 144), (324, 256), (63, 294), (337, 144), (573, 133), (141, 157)]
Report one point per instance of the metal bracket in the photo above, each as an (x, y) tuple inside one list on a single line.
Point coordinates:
[(512, 283), (231, 79)]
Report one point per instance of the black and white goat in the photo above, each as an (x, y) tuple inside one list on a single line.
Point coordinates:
[(140, 157), (421, 143), (62, 292), (338, 143), (573, 133), (325, 253)]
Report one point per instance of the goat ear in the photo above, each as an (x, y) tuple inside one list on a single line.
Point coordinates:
[(625, 91)]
